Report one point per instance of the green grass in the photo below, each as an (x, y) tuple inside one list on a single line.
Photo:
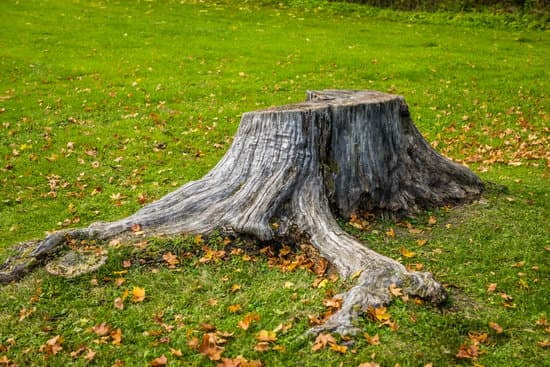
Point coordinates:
[(105, 105)]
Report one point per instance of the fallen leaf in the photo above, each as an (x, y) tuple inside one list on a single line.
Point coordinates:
[(496, 327), (170, 259), (248, 319), (116, 336), (396, 292), (52, 346), (160, 361), (544, 343), (119, 303), (208, 347), (406, 253), (421, 242), (235, 288), (176, 352), (372, 340), (468, 351), (102, 329), (90, 354), (266, 336), (432, 220), (322, 341), (339, 348), (379, 313), (234, 308), (138, 294), (390, 233), (262, 347), (369, 364), (491, 287)]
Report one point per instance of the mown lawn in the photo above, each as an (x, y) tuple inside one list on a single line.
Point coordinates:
[(105, 106)]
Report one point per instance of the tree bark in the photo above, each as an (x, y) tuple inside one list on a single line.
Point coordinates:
[(300, 166)]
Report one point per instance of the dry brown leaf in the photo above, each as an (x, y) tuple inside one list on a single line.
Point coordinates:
[(369, 364), (160, 361), (396, 292), (322, 341), (209, 348), (102, 329), (262, 347), (119, 303), (491, 287), (171, 259), (496, 327), (372, 340), (248, 319), (52, 346)]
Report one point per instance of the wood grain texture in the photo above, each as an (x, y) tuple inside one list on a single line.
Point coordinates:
[(301, 166)]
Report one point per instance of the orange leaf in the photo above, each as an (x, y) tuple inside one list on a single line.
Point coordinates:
[(369, 364), (138, 294), (390, 233), (496, 327), (372, 340), (248, 319), (421, 242), (234, 308), (116, 335), (160, 361), (432, 220), (339, 348), (491, 287)]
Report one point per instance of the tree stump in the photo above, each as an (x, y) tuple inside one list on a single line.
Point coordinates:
[(290, 171)]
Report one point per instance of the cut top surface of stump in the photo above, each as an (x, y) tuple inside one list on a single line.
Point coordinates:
[(332, 97)]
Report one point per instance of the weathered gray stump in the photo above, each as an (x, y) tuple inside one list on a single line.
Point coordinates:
[(299, 166)]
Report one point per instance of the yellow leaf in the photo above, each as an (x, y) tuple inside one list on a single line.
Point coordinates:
[(234, 308), (266, 336), (421, 242), (432, 220), (390, 233), (339, 348), (138, 294), (406, 253)]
